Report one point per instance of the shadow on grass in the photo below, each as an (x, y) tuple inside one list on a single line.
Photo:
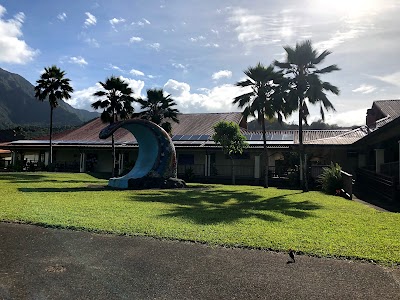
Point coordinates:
[(90, 188), (214, 206), (39, 178), (18, 177)]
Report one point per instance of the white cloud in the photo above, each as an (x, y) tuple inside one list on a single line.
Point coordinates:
[(255, 29), (116, 68), (178, 66), (338, 38), (82, 99), (347, 118), (91, 20), (364, 89), (198, 38), (12, 48), (135, 85), (176, 88), (62, 16), (92, 42), (215, 31), (217, 99), (155, 46), (79, 60), (141, 22), (136, 72), (222, 74), (115, 21), (135, 39), (249, 26), (393, 78), (211, 45)]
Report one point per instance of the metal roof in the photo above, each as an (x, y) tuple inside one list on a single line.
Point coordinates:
[(388, 107)]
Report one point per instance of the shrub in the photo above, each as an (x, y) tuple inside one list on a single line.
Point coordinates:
[(189, 174), (331, 179)]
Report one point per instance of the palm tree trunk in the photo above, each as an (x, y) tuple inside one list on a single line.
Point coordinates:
[(303, 172), (233, 171), (265, 156), (113, 155), (50, 161), (113, 147)]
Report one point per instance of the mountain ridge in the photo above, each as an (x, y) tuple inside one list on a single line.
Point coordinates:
[(17, 97)]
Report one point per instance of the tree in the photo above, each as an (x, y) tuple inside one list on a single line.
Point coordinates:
[(158, 109), (265, 99), (53, 86), (116, 103), (228, 136), (305, 86)]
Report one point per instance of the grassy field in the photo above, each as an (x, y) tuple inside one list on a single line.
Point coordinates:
[(277, 219)]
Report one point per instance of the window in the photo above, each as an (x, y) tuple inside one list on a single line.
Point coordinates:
[(185, 159)]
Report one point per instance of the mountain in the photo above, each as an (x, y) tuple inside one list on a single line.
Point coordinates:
[(19, 107)]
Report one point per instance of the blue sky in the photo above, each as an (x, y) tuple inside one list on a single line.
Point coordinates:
[(197, 50)]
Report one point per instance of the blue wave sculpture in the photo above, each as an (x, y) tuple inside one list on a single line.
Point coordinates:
[(156, 159)]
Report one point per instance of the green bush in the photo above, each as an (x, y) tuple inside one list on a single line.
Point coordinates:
[(331, 179)]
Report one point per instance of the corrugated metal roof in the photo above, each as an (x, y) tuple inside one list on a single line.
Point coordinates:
[(189, 124), (389, 107), (308, 135), (346, 138)]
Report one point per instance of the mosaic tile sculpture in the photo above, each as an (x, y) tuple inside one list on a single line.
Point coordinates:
[(156, 162)]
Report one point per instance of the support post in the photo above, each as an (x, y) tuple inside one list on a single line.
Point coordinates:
[(82, 163), (379, 159), (120, 163)]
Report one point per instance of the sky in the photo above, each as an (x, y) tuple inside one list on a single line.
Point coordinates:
[(197, 50)]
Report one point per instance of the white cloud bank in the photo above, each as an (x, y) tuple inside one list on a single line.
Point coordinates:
[(12, 48), (347, 118), (217, 99)]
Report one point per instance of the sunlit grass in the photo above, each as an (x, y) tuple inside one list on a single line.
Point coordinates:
[(248, 216)]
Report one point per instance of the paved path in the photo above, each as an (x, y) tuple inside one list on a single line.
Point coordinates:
[(40, 263)]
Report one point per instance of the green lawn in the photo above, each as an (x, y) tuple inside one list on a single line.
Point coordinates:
[(277, 219)]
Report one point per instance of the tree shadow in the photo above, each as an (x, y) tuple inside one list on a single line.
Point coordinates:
[(18, 177), (90, 188), (214, 206)]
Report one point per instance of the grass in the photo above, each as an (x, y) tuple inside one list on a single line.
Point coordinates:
[(245, 216)]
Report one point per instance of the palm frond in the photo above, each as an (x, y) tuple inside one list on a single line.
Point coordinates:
[(329, 69)]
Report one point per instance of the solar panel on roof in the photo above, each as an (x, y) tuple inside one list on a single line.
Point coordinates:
[(256, 137), (176, 137), (204, 137), (194, 137), (288, 137), (247, 136), (185, 137)]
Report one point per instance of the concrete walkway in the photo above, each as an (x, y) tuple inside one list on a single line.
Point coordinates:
[(40, 263)]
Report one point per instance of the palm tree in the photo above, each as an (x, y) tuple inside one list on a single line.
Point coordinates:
[(158, 109), (264, 100), (53, 86), (305, 85), (116, 103)]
